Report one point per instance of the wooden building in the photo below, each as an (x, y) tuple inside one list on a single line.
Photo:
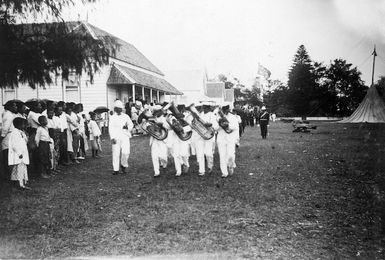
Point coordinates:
[(129, 75)]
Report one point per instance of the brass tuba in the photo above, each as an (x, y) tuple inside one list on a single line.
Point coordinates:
[(223, 122), (177, 123), (147, 122), (199, 125)]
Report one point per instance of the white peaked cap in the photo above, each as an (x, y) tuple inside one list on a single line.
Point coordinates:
[(157, 107), (207, 103), (118, 104), (263, 108), (138, 103)]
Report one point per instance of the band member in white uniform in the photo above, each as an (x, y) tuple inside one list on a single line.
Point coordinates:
[(120, 126), (205, 148), (175, 148), (185, 145), (159, 147), (226, 140), (195, 136)]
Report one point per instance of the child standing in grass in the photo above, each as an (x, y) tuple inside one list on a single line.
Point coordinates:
[(43, 141), (94, 135), (18, 157), (54, 132)]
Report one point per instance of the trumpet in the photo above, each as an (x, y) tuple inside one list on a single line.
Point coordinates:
[(147, 123), (223, 122), (206, 132), (178, 124)]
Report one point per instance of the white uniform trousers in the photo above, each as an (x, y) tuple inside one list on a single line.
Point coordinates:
[(158, 153), (204, 149), (120, 152), (226, 156)]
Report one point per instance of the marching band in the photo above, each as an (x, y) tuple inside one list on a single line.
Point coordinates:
[(178, 132)]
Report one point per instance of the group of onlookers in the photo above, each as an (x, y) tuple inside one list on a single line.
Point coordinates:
[(40, 137)]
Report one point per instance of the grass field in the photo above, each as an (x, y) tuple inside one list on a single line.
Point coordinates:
[(293, 196)]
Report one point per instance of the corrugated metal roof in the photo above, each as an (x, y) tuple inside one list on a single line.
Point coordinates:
[(118, 72), (123, 50), (127, 52)]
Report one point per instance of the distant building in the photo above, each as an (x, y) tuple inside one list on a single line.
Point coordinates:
[(129, 75), (197, 88)]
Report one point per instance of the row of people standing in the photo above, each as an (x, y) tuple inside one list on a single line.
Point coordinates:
[(54, 134)]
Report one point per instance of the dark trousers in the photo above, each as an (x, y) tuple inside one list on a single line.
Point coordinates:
[(82, 146), (63, 158), (44, 157), (263, 125)]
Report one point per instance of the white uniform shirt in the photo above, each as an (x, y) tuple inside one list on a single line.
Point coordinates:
[(33, 119), (94, 129), (116, 124), (63, 121), (209, 117), (42, 134), (233, 125), (7, 128), (72, 121)]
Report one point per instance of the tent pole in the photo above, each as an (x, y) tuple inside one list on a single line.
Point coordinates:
[(374, 63)]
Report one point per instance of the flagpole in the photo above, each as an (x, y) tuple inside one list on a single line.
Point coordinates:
[(374, 63)]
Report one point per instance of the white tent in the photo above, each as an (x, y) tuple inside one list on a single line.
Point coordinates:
[(371, 109)]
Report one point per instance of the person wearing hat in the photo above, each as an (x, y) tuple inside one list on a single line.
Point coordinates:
[(120, 126), (159, 147), (226, 140), (263, 119), (205, 148)]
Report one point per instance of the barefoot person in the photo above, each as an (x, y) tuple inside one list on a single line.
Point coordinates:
[(120, 126)]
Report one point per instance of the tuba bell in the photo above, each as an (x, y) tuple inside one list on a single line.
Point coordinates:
[(147, 123), (199, 125), (178, 124), (223, 122)]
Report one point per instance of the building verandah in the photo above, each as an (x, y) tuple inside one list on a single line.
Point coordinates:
[(126, 84)]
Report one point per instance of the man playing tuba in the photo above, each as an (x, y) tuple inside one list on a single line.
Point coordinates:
[(159, 147), (226, 139), (205, 148)]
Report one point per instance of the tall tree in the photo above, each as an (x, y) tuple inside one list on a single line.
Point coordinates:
[(301, 83), (36, 53), (346, 81)]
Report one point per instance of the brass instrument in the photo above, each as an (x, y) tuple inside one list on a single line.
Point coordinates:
[(206, 132), (178, 124), (223, 122), (151, 127)]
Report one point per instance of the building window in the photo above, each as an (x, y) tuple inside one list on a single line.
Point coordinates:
[(8, 94), (72, 88)]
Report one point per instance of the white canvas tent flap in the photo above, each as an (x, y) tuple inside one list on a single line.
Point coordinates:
[(371, 109)]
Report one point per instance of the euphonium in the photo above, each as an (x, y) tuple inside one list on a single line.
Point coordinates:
[(223, 122), (178, 124), (151, 127), (206, 132)]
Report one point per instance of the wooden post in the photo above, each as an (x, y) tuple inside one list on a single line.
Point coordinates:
[(133, 93), (374, 63), (157, 96), (151, 96), (142, 93)]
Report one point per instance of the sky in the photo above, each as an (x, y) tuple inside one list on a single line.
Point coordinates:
[(232, 36)]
